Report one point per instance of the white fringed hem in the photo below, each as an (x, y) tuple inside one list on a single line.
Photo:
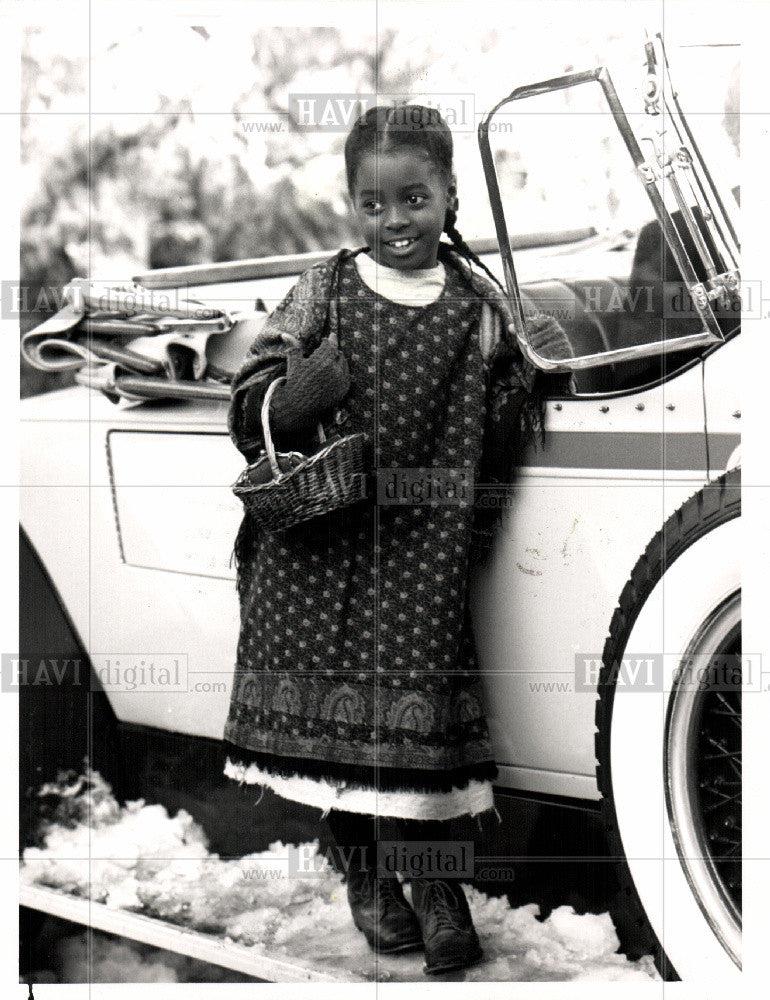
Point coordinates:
[(475, 798)]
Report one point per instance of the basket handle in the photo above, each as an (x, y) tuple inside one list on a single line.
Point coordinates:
[(270, 447)]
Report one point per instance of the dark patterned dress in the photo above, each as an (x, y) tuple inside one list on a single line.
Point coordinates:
[(356, 661)]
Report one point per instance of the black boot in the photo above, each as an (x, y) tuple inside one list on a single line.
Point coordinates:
[(381, 912), (378, 905), (447, 928)]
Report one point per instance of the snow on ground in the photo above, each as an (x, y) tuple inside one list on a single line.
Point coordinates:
[(138, 858)]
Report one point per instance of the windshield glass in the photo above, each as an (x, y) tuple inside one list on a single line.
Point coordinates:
[(560, 155), (561, 161)]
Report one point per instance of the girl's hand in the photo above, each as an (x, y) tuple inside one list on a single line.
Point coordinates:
[(537, 324), (313, 386), (547, 336)]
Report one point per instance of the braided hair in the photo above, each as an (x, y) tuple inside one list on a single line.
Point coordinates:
[(385, 128)]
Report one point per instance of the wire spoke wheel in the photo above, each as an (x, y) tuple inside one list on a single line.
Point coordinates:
[(703, 771)]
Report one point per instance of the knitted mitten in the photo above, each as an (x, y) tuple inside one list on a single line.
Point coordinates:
[(549, 339), (313, 386)]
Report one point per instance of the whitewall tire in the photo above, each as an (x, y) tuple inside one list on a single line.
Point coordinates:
[(668, 742)]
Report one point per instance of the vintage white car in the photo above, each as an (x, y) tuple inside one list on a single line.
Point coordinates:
[(607, 618)]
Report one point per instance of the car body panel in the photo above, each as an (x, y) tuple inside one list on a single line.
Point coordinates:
[(582, 512), (724, 372)]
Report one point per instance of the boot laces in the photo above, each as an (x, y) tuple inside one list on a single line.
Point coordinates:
[(445, 909), (372, 888), (362, 891), (387, 891), (390, 894)]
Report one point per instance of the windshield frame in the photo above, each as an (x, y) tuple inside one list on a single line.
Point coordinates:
[(711, 334)]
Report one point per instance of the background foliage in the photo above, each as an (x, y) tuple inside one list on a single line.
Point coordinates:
[(157, 145)]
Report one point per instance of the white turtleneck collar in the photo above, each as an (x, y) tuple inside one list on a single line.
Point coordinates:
[(407, 288)]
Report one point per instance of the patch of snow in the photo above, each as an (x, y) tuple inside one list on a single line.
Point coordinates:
[(565, 946), (138, 858)]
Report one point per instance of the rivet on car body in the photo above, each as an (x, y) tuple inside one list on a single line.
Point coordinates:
[(737, 414), (640, 406), (604, 409), (669, 406), (557, 406)]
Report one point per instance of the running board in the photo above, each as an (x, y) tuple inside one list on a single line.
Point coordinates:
[(160, 934)]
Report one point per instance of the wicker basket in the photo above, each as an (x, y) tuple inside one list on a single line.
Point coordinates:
[(281, 489)]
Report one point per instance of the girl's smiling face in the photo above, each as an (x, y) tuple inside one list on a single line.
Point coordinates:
[(400, 200)]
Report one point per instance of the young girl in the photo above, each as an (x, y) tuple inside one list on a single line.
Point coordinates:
[(356, 686)]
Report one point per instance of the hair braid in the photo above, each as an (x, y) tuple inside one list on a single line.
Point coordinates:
[(462, 247)]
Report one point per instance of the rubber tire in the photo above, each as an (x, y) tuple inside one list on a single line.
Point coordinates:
[(706, 510)]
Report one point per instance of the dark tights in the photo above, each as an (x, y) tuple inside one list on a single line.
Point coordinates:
[(354, 831)]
